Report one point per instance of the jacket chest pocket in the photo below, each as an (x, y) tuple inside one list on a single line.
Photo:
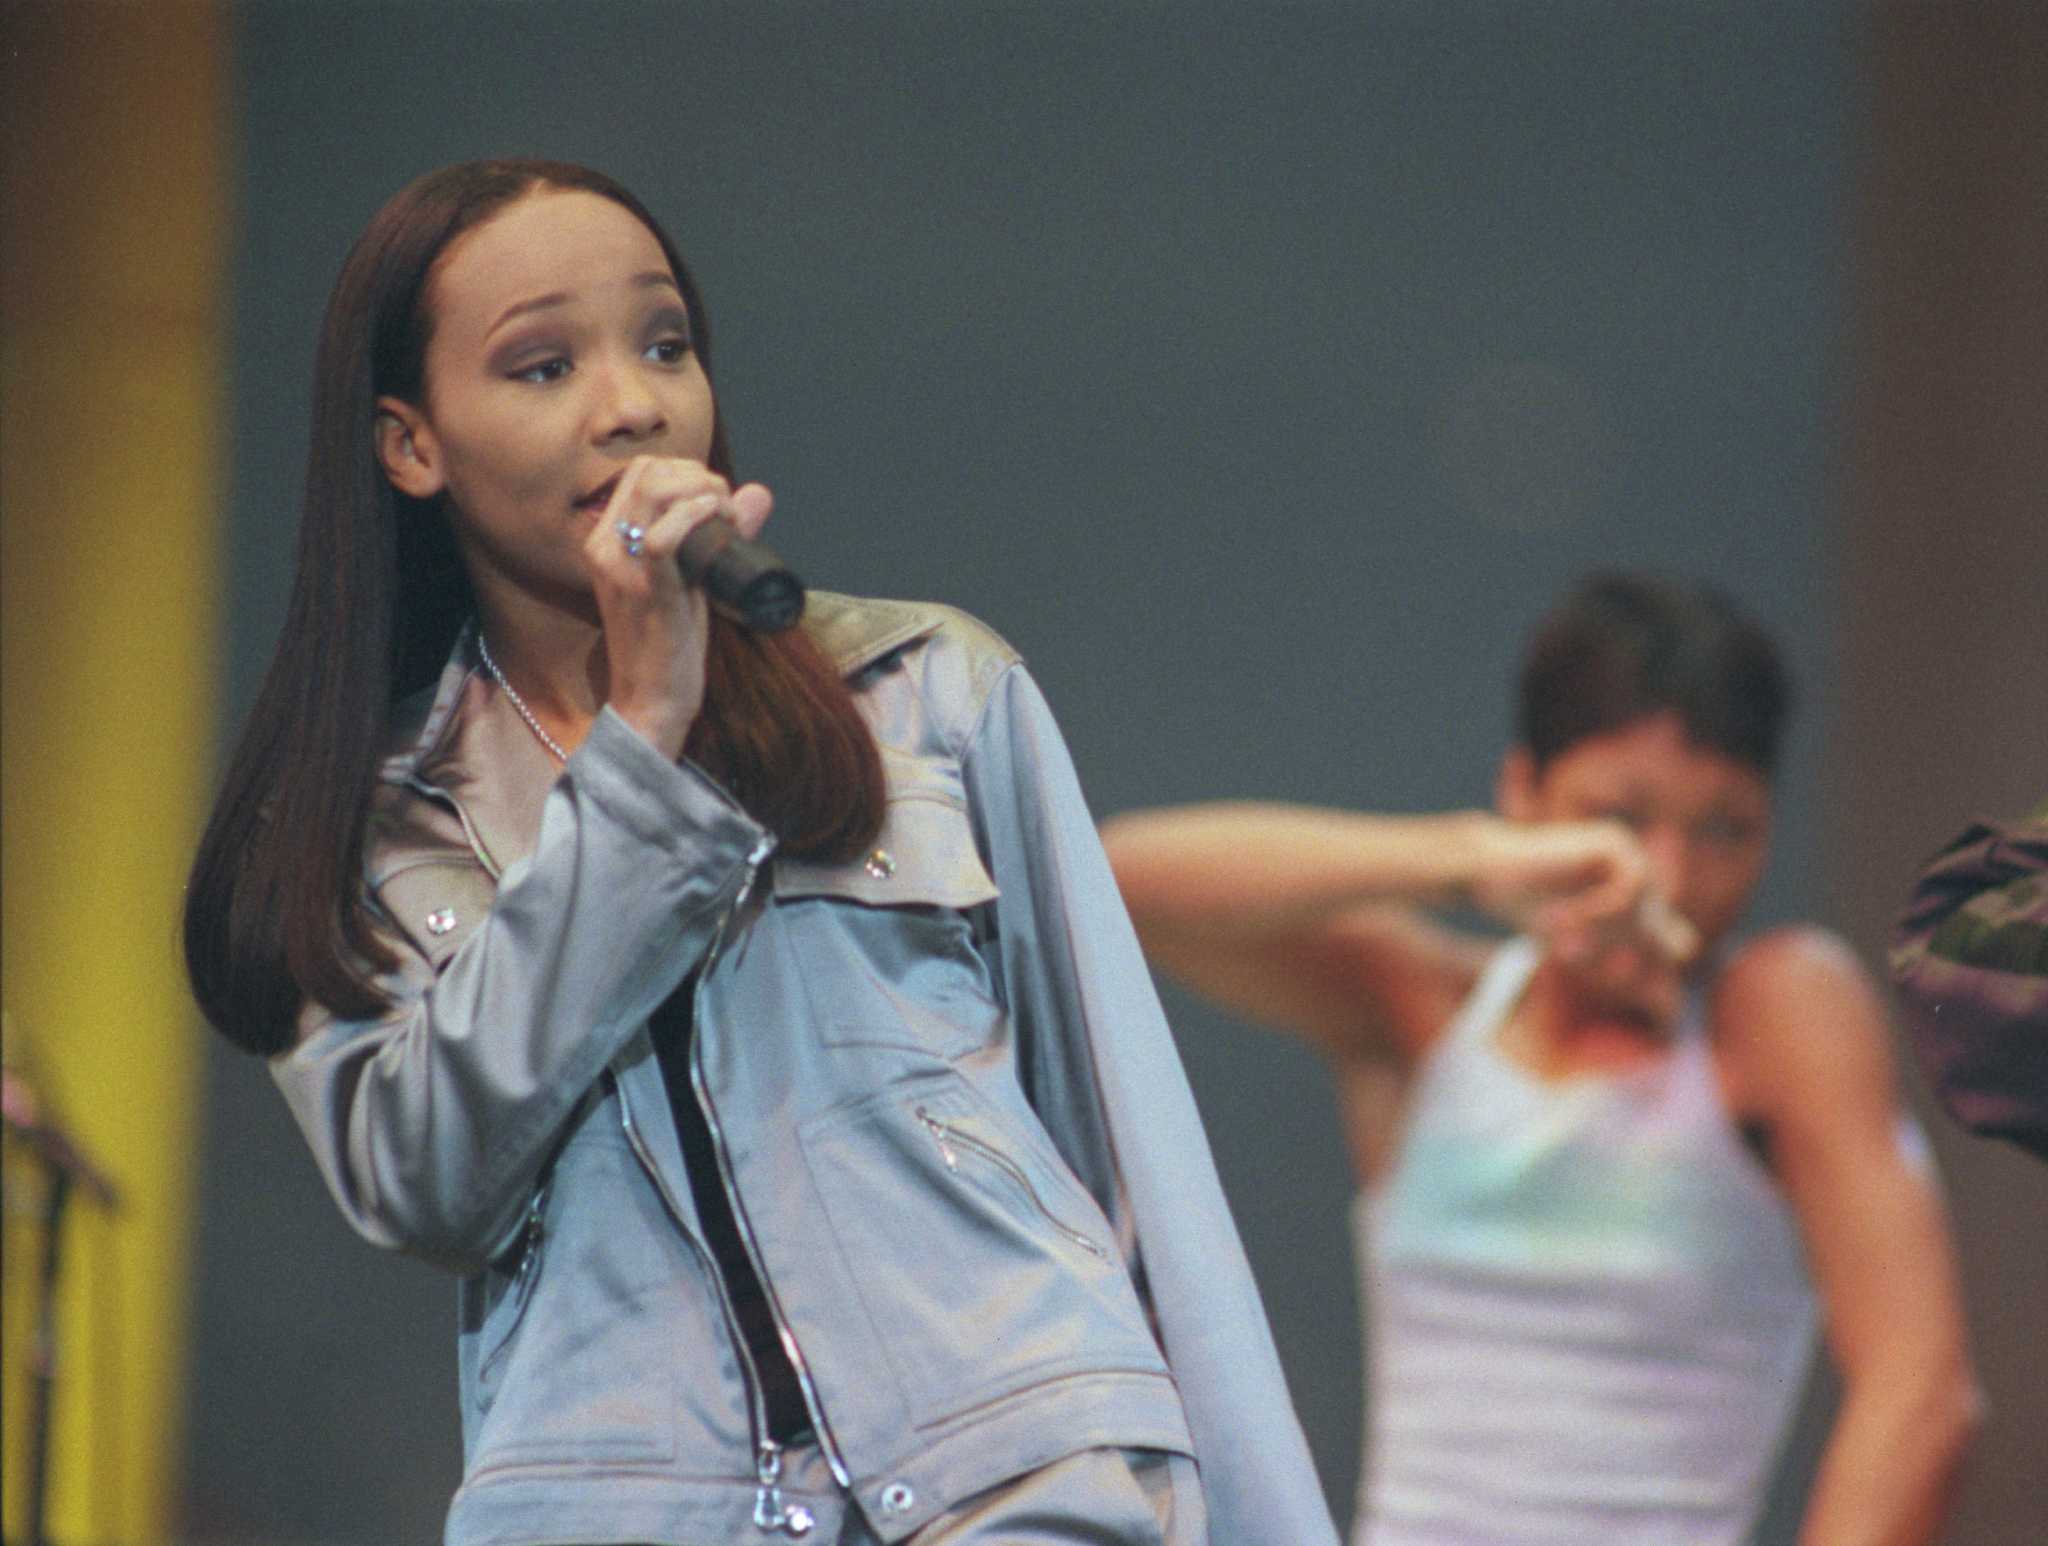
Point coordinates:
[(889, 944)]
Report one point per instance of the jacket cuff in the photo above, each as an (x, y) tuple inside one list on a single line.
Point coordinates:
[(677, 807)]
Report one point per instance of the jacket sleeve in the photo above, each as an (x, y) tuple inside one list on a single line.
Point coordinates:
[(1970, 960), (1100, 1067), (432, 1123)]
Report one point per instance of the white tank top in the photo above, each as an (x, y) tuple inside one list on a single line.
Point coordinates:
[(1588, 1309)]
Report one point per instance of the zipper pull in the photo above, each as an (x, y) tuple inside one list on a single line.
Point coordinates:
[(535, 1225), (940, 1133), (769, 1513), (757, 857)]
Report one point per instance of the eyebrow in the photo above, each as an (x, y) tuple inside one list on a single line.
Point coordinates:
[(652, 279)]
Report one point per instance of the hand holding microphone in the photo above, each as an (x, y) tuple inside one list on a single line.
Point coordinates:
[(743, 577), (673, 542)]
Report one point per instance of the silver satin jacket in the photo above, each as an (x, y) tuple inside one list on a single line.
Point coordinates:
[(951, 1120)]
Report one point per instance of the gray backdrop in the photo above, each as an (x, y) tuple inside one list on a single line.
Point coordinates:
[(1260, 372)]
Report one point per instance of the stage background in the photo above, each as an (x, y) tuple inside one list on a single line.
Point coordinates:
[(1261, 372)]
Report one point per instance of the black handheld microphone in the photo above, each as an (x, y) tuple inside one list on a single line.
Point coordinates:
[(745, 580)]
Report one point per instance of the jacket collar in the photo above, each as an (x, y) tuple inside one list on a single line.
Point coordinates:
[(857, 632), (463, 738)]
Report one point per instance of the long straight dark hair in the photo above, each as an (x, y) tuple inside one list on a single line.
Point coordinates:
[(276, 912)]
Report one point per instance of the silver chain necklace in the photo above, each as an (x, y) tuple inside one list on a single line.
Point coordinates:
[(518, 702)]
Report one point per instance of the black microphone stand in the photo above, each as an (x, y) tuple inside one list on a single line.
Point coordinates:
[(66, 1165), (42, 1363)]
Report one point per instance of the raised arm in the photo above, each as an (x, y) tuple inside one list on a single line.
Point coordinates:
[(1811, 1057), (1312, 919), (431, 1124)]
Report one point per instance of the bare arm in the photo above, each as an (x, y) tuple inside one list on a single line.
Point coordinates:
[(1306, 918), (1810, 1054)]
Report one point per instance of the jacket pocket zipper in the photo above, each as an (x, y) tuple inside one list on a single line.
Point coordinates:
[(951, 1139)]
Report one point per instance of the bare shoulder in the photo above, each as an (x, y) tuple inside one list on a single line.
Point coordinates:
[(1775, 972), (1798, 1018)]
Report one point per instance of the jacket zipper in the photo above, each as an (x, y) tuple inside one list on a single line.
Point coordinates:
[(949, 1138), (826, 1441), (757, 1403), (769, 1511)]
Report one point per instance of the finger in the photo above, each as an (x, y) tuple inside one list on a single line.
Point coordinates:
[(618, 544), (1667, 929), (667, 482), (1652, 940), (750, 506), (677, 520), (649, 485)]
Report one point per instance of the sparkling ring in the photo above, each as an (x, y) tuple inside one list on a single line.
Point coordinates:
[(632, 536)]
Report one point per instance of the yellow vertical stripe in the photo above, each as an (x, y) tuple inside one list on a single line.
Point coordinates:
[(115, 239)]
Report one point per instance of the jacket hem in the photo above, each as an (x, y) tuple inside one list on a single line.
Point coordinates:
[(1111, 1410)]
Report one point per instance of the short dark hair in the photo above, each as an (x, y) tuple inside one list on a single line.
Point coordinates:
[(1620, 647)]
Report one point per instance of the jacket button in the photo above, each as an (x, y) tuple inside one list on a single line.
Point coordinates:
[(440, 921), (897, 1498), (798, 1521), (881, 864)]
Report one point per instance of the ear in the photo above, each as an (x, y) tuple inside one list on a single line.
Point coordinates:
[(1514, 790), (407, 449)]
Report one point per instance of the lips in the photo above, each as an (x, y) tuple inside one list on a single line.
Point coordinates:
[(600, 496)]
